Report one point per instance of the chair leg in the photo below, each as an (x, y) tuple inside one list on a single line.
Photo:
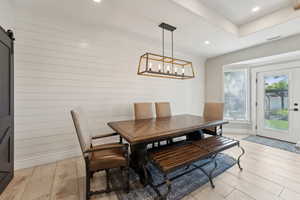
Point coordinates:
[(88, 185), (239, 158), (108, 189)]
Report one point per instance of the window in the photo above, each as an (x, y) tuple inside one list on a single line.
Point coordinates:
[(236, 95)]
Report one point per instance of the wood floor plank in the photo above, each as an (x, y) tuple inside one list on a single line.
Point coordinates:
[(236, 177), (256, 192), (271, 174), (189, 197), (110, 196), (40, 184), (16, 188), (206, 194), (279, 153), (80, 167), (289, 195), (264, 155), (222, 188), (287, 171), (65, 186), (238, 195)]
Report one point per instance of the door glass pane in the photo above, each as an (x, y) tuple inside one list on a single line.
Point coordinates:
[(276, 102)]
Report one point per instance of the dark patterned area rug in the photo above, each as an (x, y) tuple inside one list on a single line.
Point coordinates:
[(180, 187), (287, 146)]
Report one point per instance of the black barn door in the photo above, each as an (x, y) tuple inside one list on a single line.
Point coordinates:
[(6, 109)]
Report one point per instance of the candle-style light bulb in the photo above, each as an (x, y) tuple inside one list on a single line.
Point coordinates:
[(159, 68), (175, 70), (182, 71), (168, 69), (150, 66)]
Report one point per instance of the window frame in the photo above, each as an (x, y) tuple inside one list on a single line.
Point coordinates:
[(248, 92)]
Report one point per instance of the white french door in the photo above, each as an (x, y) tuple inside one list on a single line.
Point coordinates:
[(278, 98)]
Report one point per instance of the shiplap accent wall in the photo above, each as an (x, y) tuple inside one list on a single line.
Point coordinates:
[(59, 66), (6, 14)]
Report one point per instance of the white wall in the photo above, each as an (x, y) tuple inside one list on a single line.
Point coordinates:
[(6, 14), (59, 66)]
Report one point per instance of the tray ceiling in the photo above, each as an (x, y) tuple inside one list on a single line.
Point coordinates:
[(240, 12)]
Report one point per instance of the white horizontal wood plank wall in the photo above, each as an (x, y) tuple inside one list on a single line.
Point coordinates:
[(6, 14), (59, 66)]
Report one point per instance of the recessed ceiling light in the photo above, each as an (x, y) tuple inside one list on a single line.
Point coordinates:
[(255, 9), (97, 1), (207, 42)]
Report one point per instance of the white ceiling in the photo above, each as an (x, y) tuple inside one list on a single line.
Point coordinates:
[(240, 11), (196, 23)]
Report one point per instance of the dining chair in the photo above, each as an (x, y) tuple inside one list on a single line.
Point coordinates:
[(143, 111), (163, 109), (213, 111), (100, 157)]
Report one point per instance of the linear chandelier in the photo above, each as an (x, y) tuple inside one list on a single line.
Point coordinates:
[(155, 65)]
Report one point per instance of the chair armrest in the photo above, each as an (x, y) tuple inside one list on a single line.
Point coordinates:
[(108, 147), (104, 136)]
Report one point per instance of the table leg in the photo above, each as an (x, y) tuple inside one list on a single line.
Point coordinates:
[(138, 161), (221, 131)]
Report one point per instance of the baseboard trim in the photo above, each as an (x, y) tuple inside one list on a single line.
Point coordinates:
[(45, 158)]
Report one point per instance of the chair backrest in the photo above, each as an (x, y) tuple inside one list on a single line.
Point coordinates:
[(143, 111), (213, 111), (163, 109), (82, 129)]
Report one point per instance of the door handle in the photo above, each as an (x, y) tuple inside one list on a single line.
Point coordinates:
[(294, 109)]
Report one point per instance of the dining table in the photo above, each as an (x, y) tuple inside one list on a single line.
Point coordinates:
[(140, 133)]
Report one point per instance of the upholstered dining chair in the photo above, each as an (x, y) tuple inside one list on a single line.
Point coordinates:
[(213, 111), (163, 109), (100, 157), (143, 111)]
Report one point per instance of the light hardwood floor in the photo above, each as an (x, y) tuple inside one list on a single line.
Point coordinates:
[(269, 174)]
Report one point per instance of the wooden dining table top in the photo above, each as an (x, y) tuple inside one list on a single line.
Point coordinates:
[(149, 130)]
